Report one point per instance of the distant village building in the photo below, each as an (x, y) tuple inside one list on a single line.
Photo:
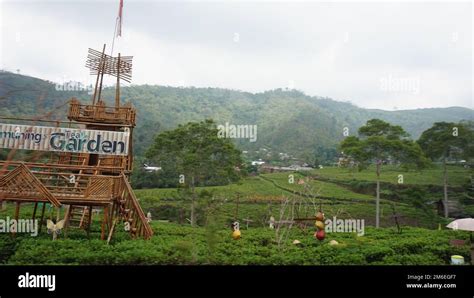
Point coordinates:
[(150, 168), (292, 168), (345, 161)]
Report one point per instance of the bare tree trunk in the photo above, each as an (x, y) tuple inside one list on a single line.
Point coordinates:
[(292, 218), (278, 235), (377, 199), (445, 182), (193, 199), (395, 218)]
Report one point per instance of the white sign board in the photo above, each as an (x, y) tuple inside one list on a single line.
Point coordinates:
[(60, 139)]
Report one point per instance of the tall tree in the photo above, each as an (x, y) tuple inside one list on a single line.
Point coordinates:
[(446, 140), (379, 142), (196, 156)]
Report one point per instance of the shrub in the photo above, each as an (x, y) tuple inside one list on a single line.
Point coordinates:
[(377, 253), (413, 259)]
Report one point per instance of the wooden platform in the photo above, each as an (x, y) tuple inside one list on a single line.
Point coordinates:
[(100, 113), (75, 185)]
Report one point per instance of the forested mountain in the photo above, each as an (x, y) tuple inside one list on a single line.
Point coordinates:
[(288, 120)]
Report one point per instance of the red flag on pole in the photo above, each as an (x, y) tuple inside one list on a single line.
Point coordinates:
[(119, 19)]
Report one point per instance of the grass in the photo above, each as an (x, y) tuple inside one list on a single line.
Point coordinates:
[(457, 176), (248, 188), (260, 199), (252, 188), (324, 189)]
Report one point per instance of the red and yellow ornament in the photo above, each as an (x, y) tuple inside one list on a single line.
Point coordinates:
[(320, 234)]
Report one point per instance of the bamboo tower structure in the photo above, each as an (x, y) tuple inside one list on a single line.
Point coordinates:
[(87, 173)]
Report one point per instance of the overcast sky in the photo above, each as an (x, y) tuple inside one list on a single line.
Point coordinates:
[(376, 55)]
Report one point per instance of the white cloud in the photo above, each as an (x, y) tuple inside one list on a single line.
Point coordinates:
[(340, 50)]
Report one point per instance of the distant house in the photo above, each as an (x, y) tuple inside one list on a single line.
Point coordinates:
[(257, 162), (292, 168), (150, 169), (345, 162)]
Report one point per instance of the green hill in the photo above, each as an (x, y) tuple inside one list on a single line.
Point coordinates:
[(288, 120)]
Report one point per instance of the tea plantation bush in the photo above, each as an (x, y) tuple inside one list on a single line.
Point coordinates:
[(182, 245), (7, 248)]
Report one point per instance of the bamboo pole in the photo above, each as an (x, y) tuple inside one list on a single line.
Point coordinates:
[(34, 210), (101, 72), (42, 216), (104, 221), (112, 230), (67, 218), (117, 89), (89, 219), (17, 214), (98, 75)]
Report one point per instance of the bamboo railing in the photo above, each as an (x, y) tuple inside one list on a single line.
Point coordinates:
[(99, 112), (66, 183), (132, 212)]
